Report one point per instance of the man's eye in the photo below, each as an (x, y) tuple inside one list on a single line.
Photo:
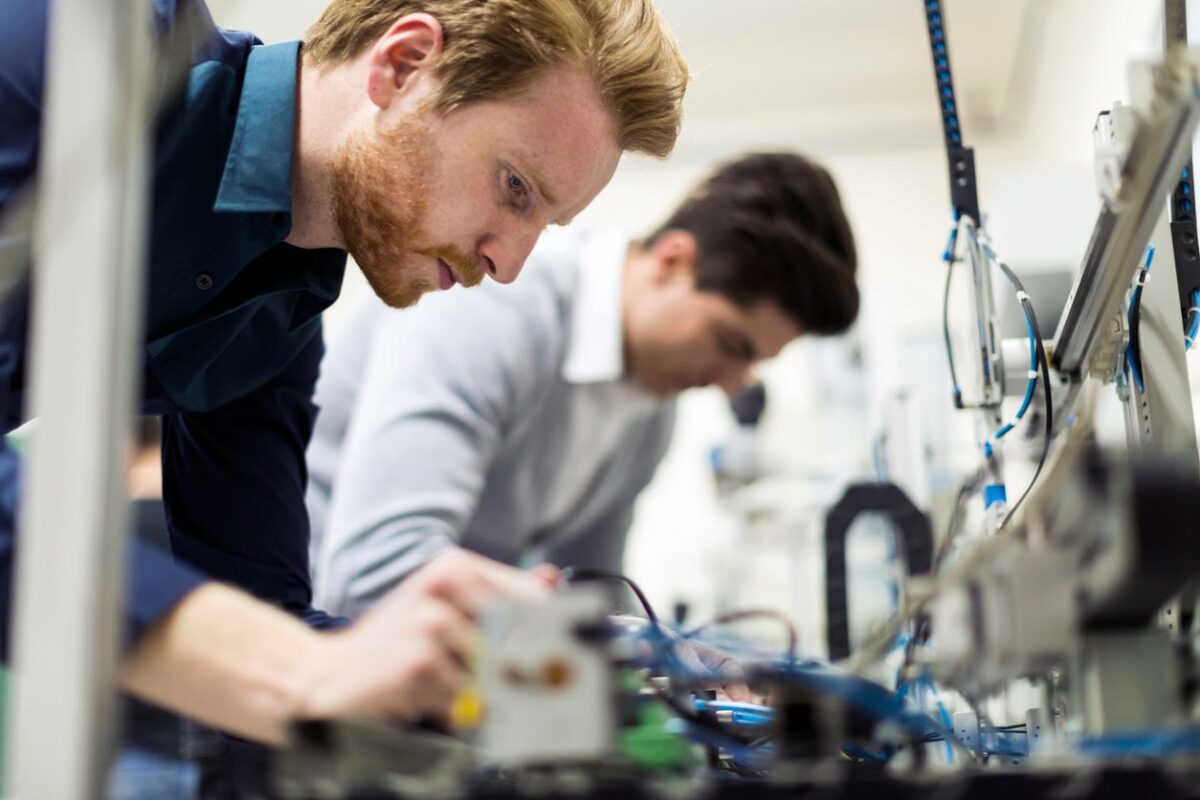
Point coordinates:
[(517, 187), (734, 348)]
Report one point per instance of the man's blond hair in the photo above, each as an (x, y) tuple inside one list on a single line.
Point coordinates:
[(495, 48)]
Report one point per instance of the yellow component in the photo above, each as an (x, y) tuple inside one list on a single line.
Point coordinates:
[(467, 711)]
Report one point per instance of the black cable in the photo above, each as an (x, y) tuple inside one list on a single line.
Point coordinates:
[(592, 574), (1044, 368), (946, 332), (584, 574), (1135, 324)]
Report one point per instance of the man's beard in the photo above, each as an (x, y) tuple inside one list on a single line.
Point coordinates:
[(379, 189)]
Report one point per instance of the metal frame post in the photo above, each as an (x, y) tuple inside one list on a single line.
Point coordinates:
[(1159, 420), (86, 321)]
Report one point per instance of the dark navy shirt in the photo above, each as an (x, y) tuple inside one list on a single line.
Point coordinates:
[(232, 317)]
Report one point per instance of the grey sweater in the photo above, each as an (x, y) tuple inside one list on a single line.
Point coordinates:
[(495, 418)]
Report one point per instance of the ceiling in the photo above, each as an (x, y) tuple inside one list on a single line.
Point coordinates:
[(830, 75)]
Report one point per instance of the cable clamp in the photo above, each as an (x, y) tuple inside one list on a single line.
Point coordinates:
[(1143, 277), (1022, 295), (1193, 310), (1032, 374)]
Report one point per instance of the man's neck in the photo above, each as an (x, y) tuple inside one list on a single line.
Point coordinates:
[(322, 109)]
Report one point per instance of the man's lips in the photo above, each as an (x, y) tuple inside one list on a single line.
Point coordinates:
[(446, 276)]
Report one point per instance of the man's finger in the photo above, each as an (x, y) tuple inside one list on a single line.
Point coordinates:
[(738, 691)]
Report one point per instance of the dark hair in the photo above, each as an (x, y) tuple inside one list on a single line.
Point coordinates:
[(770, 226)]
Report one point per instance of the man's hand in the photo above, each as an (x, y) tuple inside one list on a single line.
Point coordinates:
[(708, 666), (727, 675), (407, 657), (232, 661)]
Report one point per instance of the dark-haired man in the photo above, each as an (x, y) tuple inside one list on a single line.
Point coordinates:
[(526, 422)]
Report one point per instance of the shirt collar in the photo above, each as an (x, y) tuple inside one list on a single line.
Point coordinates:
[(595, 351), (258, 169)]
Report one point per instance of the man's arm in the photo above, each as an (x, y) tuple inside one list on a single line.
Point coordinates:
[(233, 488), (237, 663), (443, 384)]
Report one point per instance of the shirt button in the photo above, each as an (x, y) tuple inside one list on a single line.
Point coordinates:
[(204, 281)]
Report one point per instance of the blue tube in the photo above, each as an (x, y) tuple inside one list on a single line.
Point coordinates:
[(1194, 327), (1030, 385), (743, 713), (1144, 743)]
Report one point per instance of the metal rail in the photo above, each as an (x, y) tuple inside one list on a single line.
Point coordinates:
[(1086, 338), (90, 235)]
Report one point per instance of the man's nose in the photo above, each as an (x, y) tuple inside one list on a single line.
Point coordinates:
[(505, 254), (733, 377)]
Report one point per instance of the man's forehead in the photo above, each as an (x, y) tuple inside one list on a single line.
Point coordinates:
[(565, 140)]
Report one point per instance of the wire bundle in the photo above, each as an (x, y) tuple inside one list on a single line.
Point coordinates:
[(1039, 363), (864, 696)]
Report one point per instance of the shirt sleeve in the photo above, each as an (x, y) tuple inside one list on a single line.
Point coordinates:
[(156, 582), (442, 385), (22, 55), (233, 487)]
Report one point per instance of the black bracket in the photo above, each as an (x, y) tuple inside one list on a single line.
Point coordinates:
[(914, 540)]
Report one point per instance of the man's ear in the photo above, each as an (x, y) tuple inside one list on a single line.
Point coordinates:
[(674, 254), (407, 51)]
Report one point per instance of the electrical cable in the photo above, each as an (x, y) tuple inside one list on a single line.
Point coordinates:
[(1032, 374), (860, 754), (1048, 395), (1193, 329), (753, 613), (1133, 351), (591, 574), (707, 724), (749, 714), (951, 259), (1154, 744), (943, 715)]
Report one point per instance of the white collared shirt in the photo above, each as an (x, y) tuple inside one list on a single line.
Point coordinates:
[(497, 418)]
